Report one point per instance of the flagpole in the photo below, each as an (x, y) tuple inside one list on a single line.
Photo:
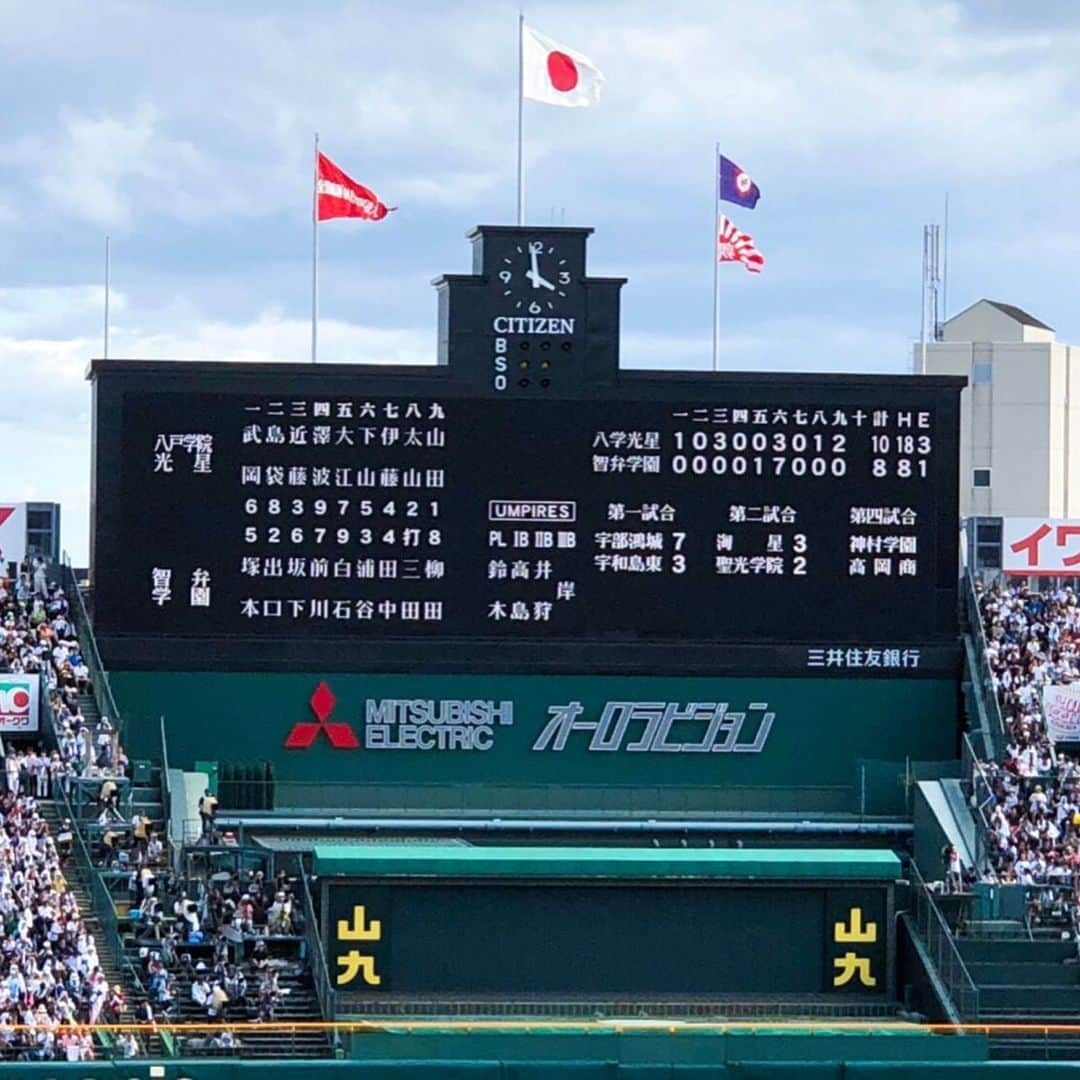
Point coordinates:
[(106, 348), (521, 119), (315, 254), (715, 265)]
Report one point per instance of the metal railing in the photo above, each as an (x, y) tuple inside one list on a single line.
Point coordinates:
[(944, 953), (103, 905), (865, 800), (324, 987), (1050, 907), (698, 1011), (101, 897), (172, 850), (979, 792), (99, 678), (982, 677)]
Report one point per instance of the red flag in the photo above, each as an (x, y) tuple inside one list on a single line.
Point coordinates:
[(733, 245), (341, 196)]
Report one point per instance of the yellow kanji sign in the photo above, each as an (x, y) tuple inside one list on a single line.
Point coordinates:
[(848, 966), (354, 963), (361, 929), (856, 932)]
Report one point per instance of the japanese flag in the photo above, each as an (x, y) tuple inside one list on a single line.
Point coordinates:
[(556, 75)]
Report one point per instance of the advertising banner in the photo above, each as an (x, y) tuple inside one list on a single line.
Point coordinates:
[(12, 532), (573, 742), (1061, 704), (1032, 545), (19, 703)]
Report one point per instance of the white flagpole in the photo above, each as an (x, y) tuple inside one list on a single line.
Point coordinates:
[(715, 265), (315, 254), (945, 266), (521, 119), (106, 348)]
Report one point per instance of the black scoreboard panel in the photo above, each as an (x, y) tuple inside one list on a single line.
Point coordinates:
[(276, 507), (524, 505)]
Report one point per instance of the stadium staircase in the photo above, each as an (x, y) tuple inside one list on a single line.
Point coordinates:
[(1000, 971), (79, 885), (1024, 980)]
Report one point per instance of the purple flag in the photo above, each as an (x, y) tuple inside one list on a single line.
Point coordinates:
[(736, 185)]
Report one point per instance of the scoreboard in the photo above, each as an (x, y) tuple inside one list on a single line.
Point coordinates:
[(523, 501)]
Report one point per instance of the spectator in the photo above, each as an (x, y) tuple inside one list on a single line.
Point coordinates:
[(954, 871), (128, 1046), (140, 830), (207, 809), (279, 915), (104, 744), (201, 992), (219, 1000)]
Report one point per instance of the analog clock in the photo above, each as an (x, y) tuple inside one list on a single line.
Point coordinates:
[(534, 276)]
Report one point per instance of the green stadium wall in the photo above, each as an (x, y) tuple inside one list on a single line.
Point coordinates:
[(602, 1055), (833, 744)]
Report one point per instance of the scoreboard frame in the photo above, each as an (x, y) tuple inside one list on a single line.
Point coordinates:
[(503, 337), (114, 380)]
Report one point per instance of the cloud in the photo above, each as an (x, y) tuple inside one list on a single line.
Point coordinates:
[(814, 344), (817, 84), (30, 311), (273, 338), (185, 128), (92, 163), (830, 96)]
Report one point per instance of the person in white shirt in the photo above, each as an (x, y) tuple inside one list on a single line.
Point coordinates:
[(201, 993)]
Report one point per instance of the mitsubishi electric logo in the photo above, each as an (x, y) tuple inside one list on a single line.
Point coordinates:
[(406, 724), (635, 727), (341, 736)]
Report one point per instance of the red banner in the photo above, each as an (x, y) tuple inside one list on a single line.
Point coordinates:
[(339, 195)]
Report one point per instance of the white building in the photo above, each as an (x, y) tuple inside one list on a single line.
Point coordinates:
[(1019, 415)]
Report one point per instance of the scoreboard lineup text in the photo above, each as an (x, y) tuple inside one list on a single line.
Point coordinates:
[(573, 503)]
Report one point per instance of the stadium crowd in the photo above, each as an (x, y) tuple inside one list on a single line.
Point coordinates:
[(1032, 641), (202, 944), (50, 976), (1031, 799), (202, 940)]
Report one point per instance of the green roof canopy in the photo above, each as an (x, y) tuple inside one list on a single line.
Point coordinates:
[(455, 861)]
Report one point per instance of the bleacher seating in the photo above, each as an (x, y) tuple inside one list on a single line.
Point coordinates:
[(117, 889)]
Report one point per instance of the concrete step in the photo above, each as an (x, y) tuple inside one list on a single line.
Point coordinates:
[(1041, 1047), (997, 929), (1054, 974), (1029, 999), (978, 951)]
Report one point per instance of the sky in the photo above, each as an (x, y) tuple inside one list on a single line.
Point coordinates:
[(183, 131)]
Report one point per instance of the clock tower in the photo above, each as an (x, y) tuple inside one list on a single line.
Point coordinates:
[(528, 322)]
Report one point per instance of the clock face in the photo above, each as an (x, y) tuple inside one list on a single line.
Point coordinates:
[(534, 276)]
